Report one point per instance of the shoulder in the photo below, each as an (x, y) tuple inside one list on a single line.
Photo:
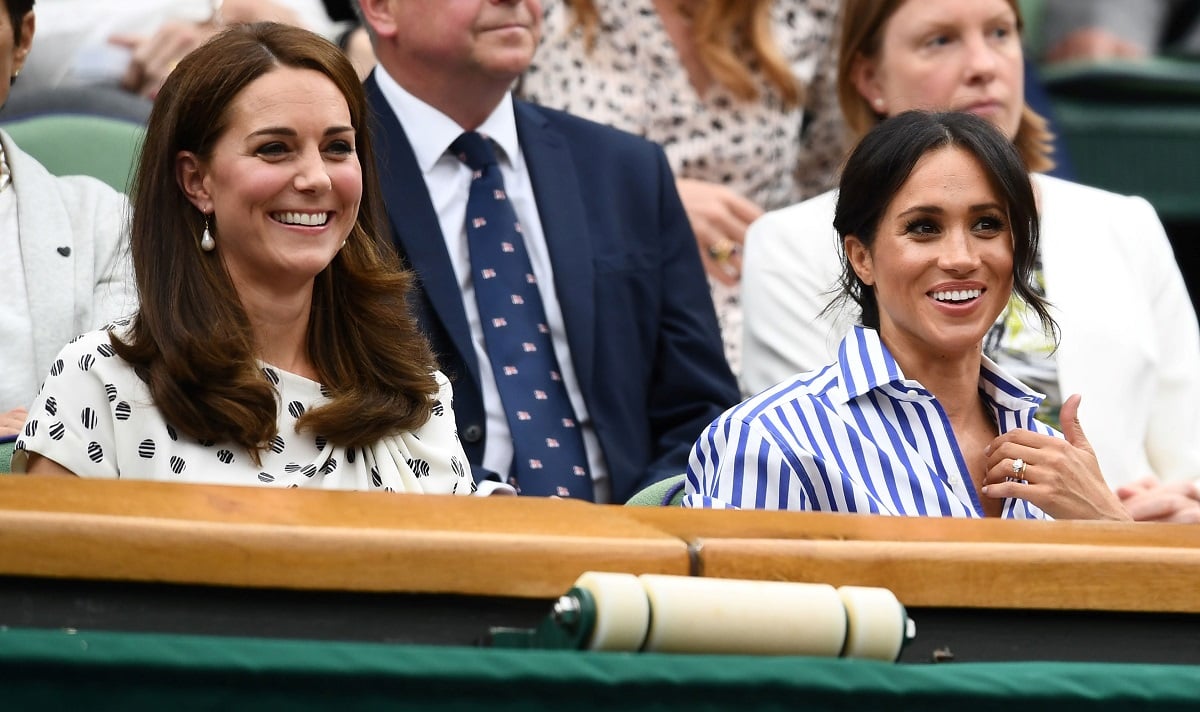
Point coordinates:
[(1059, 195), (803, 229), (583, 134), (816, 212)]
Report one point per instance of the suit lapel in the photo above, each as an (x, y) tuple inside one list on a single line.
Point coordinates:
[(415, 226), (553, 173)]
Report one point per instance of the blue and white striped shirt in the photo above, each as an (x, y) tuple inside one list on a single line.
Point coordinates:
[(855, 436)]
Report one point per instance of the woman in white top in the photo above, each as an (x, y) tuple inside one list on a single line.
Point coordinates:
[(273, 344), (61, 243), (1129, 338)]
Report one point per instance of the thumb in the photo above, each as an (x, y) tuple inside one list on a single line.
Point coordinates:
[(1068, 417)]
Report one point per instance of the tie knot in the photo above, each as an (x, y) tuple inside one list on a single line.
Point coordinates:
[(474, 150)]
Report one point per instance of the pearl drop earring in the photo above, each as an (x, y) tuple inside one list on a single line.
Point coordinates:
[(207, 243)]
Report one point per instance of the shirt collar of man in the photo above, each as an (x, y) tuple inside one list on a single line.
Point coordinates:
[(437, 131), (865, 364)]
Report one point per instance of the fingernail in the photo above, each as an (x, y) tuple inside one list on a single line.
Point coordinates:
[(983, 489), (988, 450)]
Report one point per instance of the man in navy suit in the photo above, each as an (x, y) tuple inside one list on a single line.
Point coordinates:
[(625, 296)]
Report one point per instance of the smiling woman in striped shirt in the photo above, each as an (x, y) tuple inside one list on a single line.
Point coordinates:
[(939, 226)]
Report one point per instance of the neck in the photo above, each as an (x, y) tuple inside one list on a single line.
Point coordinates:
[(279, 323), (954, 381), (467, 100)]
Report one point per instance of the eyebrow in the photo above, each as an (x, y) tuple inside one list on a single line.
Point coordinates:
[(938, 210), (285, 131)]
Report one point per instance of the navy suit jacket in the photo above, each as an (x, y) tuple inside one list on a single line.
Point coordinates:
[(639, 319)]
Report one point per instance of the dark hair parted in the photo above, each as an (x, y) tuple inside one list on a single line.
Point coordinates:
[(863, 25), (191, 340), (17, 10), (882, 162)]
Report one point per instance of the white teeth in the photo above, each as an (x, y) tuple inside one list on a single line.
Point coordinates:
[(306, 219), (957, 295)]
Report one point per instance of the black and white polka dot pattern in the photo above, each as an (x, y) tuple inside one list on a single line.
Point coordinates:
[(94, 416)]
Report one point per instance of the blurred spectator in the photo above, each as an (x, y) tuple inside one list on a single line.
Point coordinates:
[(1119, 29), (96, 47)]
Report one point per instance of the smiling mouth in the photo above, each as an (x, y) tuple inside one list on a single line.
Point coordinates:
[(957, 296), (303, 219)]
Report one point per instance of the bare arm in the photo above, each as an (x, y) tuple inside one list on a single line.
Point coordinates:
[(39, 465)]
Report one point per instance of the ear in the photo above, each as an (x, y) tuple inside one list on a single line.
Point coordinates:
[(864, 74), (860, 259), (21, 51), (192, 177), (377, 14)]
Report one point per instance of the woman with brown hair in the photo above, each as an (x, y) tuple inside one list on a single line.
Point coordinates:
[(273, 342), (739, 93), (1129, 339)]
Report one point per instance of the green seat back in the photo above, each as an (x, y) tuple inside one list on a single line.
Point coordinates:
[(6, 451), (666, 493), (78, 144)]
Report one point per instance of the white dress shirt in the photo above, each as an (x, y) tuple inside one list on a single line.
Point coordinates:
[(448, 181)]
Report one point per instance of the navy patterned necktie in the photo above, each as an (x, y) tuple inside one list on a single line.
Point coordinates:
[(548, 452)]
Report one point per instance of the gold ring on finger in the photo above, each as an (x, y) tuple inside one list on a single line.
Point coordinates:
[(722, 249)]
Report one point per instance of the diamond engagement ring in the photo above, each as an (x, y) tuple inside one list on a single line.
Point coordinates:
[(1018, 466)]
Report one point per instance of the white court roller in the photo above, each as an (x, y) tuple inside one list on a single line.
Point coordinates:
[(743, 617), (877, 623), (622, 610)]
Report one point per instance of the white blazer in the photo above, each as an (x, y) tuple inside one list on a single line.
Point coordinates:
[(75, 258), (1130, 342)]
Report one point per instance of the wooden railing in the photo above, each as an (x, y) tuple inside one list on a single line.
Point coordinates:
[(297, 539)]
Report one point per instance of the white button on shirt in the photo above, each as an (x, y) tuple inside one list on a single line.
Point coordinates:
[(448, 181)]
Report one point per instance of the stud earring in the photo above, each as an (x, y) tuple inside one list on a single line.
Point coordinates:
[(207, 243), (878, 103)]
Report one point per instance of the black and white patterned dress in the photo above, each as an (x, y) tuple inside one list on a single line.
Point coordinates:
[(633, 80), (95, 417)]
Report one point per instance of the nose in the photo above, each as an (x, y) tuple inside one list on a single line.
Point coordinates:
[(981, 59), (960, 254), (311, 174)]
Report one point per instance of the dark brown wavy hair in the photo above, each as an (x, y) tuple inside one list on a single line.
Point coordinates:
[(191, 340), (729, 35), (863, 24)]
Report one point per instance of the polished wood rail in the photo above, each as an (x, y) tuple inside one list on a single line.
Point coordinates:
[(308, 539), (526, 548)]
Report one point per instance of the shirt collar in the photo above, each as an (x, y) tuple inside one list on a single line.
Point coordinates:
[(5, 173), (866, 364), (437, 131)]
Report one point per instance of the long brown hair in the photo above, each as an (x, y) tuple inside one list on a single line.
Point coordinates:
[(191, 340), (863, 23), (729, 35)]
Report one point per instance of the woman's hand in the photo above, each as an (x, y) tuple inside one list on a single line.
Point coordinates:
[(12, 422), (1149, 500), (1062, 477), (719, 217)]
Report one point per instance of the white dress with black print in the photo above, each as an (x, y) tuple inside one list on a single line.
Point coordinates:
[(95, 417)]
